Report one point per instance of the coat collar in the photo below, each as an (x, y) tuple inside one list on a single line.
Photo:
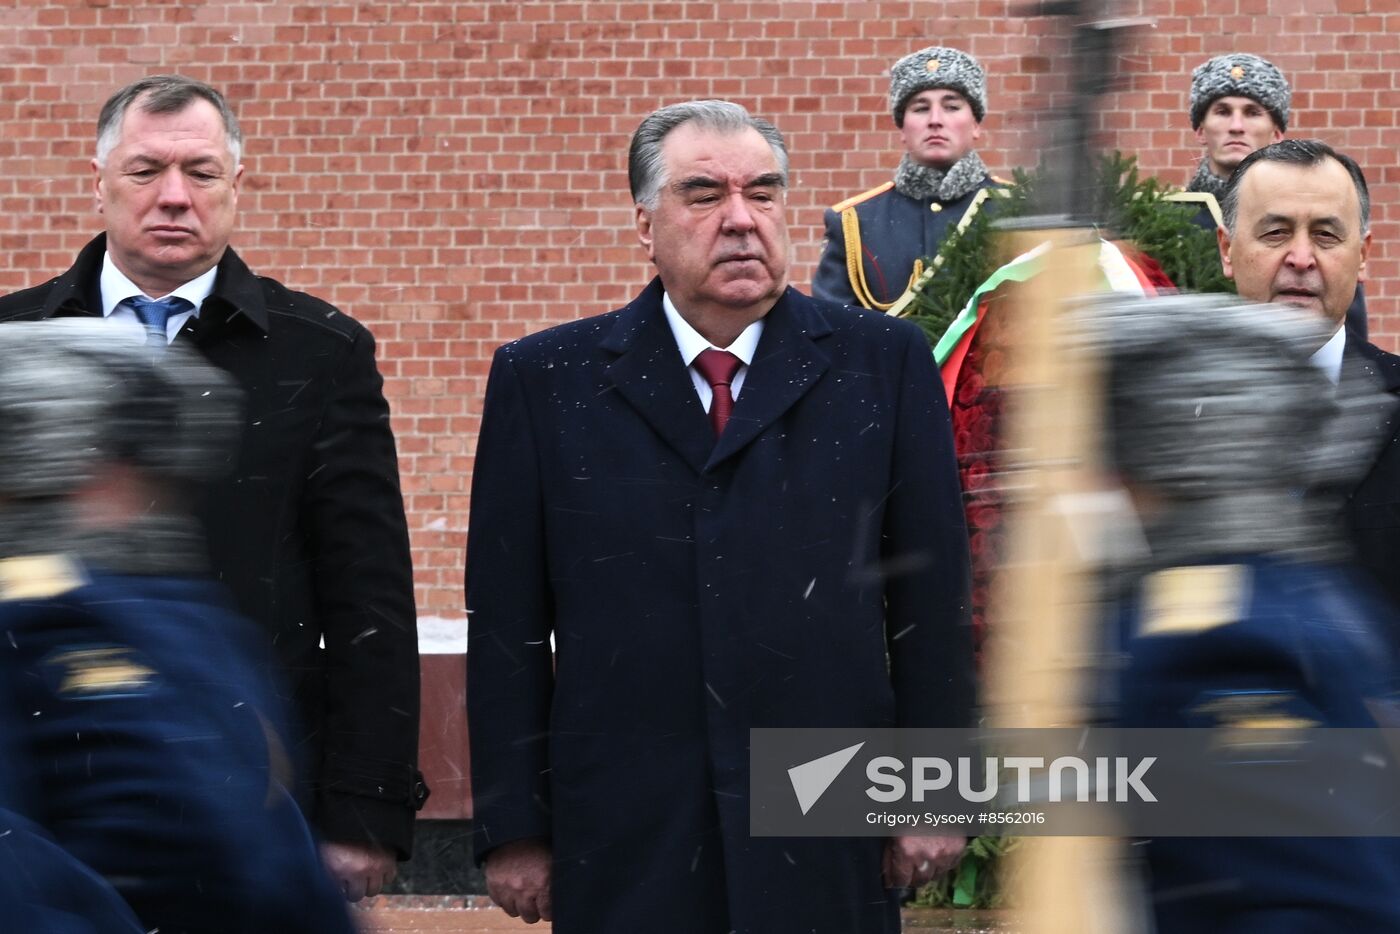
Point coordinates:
[(236, 291), (651, 376)]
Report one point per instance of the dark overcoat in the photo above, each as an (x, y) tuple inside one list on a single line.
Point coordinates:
[(1373, 507), (808, 569), (895, 230), (307, 531)]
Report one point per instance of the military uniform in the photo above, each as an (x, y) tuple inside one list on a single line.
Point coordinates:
[(875, 240), (1261, 642), (152, 752)]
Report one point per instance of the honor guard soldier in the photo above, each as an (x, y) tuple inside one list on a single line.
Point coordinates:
[(876, 241), (1239, 103)]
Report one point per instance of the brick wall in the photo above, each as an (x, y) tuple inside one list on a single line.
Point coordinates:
[(452, 173)]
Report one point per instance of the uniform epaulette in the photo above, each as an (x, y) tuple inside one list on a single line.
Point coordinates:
[(1204, 198), (863, 196), (1194, 599), (39, 577)]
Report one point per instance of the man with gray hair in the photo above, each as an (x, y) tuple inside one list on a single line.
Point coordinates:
[(725, 506), (1298, 232), (308, 532)]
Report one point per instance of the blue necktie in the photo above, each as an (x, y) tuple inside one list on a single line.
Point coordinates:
[(154, 315)]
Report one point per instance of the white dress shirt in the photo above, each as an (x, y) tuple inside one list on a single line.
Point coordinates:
[(691, 345), (1328, 358), (117, 288)]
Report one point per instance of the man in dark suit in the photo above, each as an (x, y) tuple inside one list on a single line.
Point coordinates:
[(1297, 231), (308, 533), (727, 506)]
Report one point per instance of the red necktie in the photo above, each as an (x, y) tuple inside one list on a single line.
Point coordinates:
[(718, 367)]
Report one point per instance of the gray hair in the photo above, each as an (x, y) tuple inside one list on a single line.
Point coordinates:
[(1300, 152), (646, 169), (163, 94)]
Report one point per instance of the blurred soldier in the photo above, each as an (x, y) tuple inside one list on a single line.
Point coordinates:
[(139, 703), (875, 241), (1298, 232), (308, 530), (1243, 614)]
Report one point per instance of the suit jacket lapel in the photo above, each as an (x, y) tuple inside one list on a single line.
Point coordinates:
[(1363, 363), (650, 375), (785, 366)]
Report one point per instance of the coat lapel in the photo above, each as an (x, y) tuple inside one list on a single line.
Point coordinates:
[(786, 365), (1365, 364), (649, 374)]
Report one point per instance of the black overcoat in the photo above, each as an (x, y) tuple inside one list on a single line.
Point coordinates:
[(1373, 507), (808, 569), (307, 531)]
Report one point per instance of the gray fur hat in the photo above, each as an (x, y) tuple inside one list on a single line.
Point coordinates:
[(937, 67), (1214, 406), (73, 394), (1243, 75)]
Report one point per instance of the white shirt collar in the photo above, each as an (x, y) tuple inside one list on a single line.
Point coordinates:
[(691, 343), (1328, 358), (117, 288)]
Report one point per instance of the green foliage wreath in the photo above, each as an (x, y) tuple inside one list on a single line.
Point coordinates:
[(1137, 210)]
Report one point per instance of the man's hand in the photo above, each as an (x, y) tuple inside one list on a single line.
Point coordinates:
[(359, 869), (517, 878), (912, 861)]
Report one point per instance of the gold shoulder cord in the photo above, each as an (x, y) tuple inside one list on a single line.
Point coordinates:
[(923, 276), (855, 266)]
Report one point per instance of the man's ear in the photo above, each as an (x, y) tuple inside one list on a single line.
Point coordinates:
[(1365, 251), (1222, 240), (1201, 135), (97, 184), (643, 217)]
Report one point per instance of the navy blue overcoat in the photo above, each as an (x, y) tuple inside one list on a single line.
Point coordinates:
[(808, 569)]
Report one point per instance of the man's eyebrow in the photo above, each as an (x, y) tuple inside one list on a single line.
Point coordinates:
[(706, 183), (696, 183)]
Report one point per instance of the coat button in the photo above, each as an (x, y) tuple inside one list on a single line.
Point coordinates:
[(935, 207)]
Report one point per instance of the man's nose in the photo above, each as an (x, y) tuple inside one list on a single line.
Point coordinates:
[(1237, 122), (1301, 254), (738, 217), (174, 190)]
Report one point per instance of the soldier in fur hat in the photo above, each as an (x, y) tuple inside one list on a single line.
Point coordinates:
[(875, 241)]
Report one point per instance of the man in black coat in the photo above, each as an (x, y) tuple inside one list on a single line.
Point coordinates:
[(728, 506), (309, 532), (1297, 231)]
